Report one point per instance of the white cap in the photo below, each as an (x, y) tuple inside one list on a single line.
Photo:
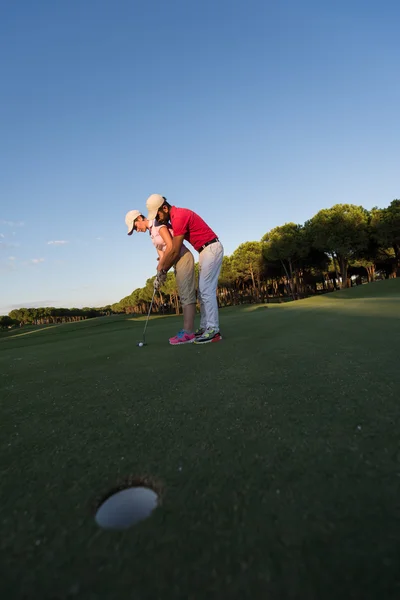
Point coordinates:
[(130, 219), (153, 203)]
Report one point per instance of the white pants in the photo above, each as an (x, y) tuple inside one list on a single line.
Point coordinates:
[(210, 262)]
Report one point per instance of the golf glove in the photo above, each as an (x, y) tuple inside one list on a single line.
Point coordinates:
[(160, 279)]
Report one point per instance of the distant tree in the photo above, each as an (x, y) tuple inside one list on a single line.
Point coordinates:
[(287, 245), (228, 275), (117, 308), (341, 232), (170, 289), (6, 322), (226, 282), (387, 226), (15, 314), (247, 263)]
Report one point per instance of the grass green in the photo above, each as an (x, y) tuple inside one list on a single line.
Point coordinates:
[(277, 451)]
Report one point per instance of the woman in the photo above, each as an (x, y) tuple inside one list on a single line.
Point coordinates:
[(161, 236)]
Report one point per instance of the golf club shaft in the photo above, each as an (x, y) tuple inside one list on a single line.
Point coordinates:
[(148, 315)]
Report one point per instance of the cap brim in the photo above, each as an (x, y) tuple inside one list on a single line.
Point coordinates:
[(132, 230), (152, 214)]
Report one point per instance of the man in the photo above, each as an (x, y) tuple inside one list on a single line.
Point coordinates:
[(187, 225)]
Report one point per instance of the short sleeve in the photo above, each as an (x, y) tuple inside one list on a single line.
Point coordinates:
[(180, 222)]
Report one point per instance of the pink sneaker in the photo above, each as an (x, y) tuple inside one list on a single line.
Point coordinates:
[(182, 338)]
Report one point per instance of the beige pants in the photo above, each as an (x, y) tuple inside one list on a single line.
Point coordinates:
[(185, 279)]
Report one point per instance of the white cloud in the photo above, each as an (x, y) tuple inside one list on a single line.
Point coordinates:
[(7, 266), (57, 242), (12, 223), (4, 245), (35, 261), (2, 235), (12, 258)]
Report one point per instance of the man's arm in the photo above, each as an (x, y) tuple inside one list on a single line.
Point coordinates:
[(171, 255)]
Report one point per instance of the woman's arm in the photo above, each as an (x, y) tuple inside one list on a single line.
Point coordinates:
[(170, 258), (167, 239)]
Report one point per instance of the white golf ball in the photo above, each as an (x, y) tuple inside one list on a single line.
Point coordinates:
[(140, 344)]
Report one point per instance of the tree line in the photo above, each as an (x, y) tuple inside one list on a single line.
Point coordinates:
[(337, 247), (47, 315)]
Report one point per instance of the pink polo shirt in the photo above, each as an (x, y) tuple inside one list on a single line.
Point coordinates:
[(154, 231), (187, 223)]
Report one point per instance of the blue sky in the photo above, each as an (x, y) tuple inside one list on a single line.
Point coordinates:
[(252, 113)]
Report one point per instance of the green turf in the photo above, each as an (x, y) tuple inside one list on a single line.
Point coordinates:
[(278, 451)]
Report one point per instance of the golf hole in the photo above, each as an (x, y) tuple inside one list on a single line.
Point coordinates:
[(126, 508)]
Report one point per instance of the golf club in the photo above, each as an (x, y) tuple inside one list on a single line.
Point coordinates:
[(143, 342)]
